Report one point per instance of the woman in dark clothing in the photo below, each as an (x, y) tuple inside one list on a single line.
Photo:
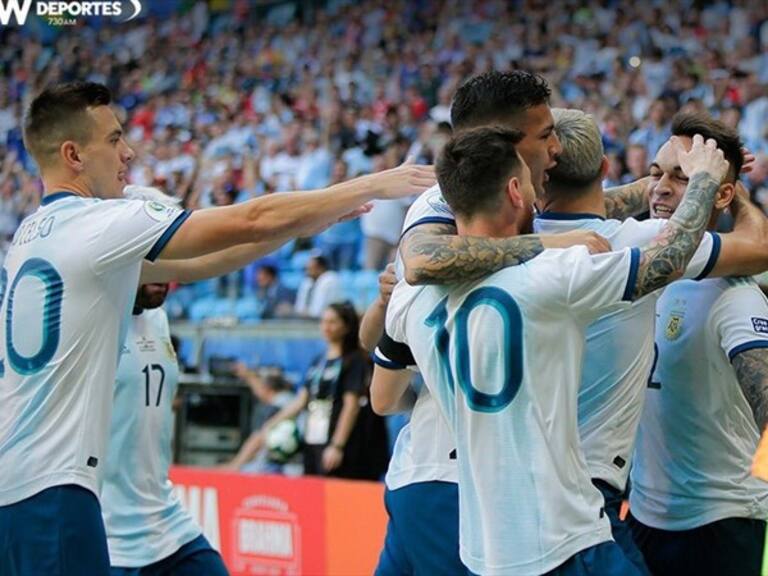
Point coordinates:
[(342, 435)]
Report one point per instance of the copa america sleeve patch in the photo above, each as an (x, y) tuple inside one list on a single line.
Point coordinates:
[(160, 212), (760, 325)]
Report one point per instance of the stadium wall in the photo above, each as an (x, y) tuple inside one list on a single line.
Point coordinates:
[(286, 526)]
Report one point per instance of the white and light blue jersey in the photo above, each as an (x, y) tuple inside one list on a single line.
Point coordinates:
[(697, 433), (144, 518), (619, 352), (485, 350), (424, 450), (68, 285)]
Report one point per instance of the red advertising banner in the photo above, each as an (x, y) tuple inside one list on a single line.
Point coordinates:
[(279, 526)]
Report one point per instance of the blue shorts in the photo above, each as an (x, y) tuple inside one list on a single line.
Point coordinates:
[(728, 547), (195, 558), (423, 531), (55, 532), (605, 559), (622, 532)]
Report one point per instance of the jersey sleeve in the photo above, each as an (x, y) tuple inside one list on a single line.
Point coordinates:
[(703, 260), (740, 318), (130, 231), (594, 285), (429, 208)]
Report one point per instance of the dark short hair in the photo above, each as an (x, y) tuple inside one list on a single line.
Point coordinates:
[(270, 269), (728, 140), (57, 114), (474, 167), (321, 261), (495, 97)]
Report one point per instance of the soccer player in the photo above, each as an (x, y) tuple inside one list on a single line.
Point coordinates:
[(619, 349), (422, 472), (148, 531), (67, 289), (695, 508), (485, 349)]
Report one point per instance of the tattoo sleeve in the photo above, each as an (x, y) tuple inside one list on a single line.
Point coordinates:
[(434, 254), (666, 257), (752, 372), (623, 202)]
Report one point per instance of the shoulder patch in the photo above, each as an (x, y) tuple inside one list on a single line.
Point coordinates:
[(158, 212), (438, 204), (760, 325)]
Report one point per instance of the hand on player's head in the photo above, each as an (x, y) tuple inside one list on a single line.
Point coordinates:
[(702, 157)]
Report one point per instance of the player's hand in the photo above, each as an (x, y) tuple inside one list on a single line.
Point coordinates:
[(595, 243), (387, 282), (760, 460), (748, 161), (332, 457), (702, 157), (405, 180)]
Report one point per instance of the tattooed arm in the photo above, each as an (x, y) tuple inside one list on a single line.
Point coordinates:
[(435, 254), (622, 202), (752, 372), (666, 257)]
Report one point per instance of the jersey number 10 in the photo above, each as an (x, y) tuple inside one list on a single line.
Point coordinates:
[(511, 338), (54, 292)]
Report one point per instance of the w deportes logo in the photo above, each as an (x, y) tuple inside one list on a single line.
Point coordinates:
[(62, 11)]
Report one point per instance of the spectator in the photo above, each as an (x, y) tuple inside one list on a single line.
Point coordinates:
[(319, 288), (273, 298), (272, 393), (382, 225), (342, 436), (340, 244), (654, 132)]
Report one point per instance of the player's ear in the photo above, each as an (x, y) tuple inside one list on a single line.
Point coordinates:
[(724, 196), (70, 154), (604, 166), (513, 192)]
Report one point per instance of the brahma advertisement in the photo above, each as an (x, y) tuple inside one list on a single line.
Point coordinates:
[(273, 525)]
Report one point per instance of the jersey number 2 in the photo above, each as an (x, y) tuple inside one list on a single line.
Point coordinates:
[(54, 292), (511, 338)]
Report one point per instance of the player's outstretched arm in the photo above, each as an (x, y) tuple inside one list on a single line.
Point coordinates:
[(435, 254), (752, 372), (666, 257), (744, 251), (278, 217), (622, 202)]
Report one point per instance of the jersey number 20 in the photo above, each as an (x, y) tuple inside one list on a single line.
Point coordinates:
[(54, 291), (511, 338)]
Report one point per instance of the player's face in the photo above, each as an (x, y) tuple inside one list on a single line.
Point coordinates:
[(668, 181), (107, 155), (332, 326), (540, 147), (151, 296)]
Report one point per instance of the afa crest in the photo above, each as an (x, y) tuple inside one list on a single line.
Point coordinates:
[(674, 326)]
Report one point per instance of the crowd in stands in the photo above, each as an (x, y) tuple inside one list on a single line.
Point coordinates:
[(224, 105)]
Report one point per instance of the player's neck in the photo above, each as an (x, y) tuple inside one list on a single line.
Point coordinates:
[(58, 183), (487, 227), (592, 202)]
